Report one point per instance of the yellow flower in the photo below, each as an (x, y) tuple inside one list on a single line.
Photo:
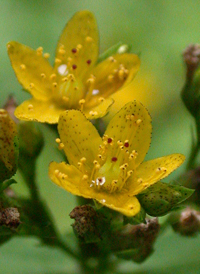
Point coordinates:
[(110, 169), (76, 81)]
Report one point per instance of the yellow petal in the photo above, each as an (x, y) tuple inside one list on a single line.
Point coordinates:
[(39, 111), (120, 202), (80, 33), (153, 171), (69, 178), (115, 72), (100, 110), (80, 138), (32, 70), (133, 124), (65, 176)]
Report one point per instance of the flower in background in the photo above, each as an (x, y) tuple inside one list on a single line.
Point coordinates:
[(77, 80), (110, 170)]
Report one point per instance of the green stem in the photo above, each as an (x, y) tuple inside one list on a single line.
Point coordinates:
[(41, 215)]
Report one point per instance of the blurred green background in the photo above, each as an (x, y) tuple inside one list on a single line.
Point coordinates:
[(159, 31)]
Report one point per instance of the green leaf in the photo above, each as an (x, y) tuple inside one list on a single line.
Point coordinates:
[(161, 198)]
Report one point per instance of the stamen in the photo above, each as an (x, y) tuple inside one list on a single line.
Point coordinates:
[(58, 140), (140, 180), (83, 160), (110, 78), (65, 99), (138, 121), (39, 51), (31, 85), (22, 67), (81, 103), (43, 75), (30, 107), (112, 59), (57, 61), (53, 76), (61, 146), (88, 39), (101, 99), (46, 55), (85, 177)]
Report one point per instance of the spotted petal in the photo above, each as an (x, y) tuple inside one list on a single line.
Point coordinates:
[(39, 111), (80, 138), (80, 30), (32, 70), (132, 123), (115, 72), (153, 171), (100, 110), (65, 176), (69, 178)]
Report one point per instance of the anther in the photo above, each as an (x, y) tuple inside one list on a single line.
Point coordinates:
[(39, 50), (121, 74), (110, 78), (31, 85), (53, 76), (111, 59), (61, 146), (83, 160), (79, 46), (85, 177), (30, 107), (22, 67), (62, 51), (55, 84), (46, 55), (56, 172), (57, 61), (101, 99), (140, 180), (82, 102), (43, 75), (58, 140), (129, 173), (88, 39), (138, 121), (90, 81), (65, 98)]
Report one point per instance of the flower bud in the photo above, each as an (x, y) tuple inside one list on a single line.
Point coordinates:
[(30, 139), (135, 242), (8, 146), (187, 222), (160, 198), (89, 225)]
